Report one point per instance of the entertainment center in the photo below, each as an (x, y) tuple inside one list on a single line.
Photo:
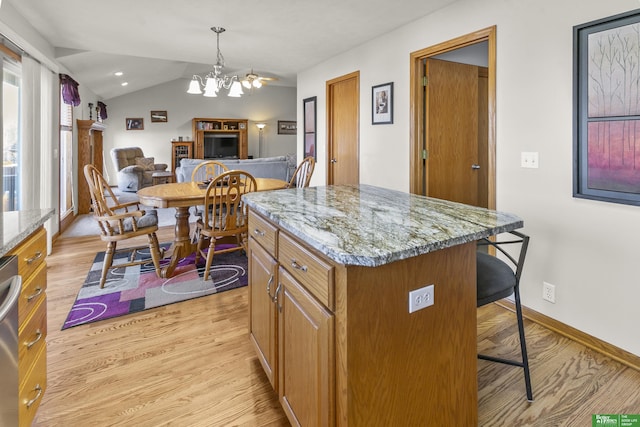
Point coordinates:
[(220, 138), (212, 139)]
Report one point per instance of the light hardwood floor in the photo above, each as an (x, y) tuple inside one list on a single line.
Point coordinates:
[(191, 364)]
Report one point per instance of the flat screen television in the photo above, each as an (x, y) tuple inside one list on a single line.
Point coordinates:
[(221, 145)]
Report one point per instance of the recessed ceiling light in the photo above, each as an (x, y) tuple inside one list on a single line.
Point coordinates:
[(124, 83), (118, 73)]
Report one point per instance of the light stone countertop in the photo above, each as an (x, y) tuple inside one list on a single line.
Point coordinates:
[(15, 226), (371, 226)]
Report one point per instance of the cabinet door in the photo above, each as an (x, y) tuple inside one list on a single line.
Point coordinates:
[(198, 150), (306, 354), (263, 324)]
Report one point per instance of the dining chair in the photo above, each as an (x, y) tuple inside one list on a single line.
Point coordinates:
[(225, 215), (498, 279), (208, 170), (121, 221), (302, 175)]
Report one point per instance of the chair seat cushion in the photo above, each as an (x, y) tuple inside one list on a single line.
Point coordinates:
[(495, 279), (149, 219)]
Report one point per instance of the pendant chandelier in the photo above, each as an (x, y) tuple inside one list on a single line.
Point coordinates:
[(215, 80)]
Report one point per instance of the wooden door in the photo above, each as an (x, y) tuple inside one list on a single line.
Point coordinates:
[(343, 112), (451, 128), (306, 357), (262, 313)]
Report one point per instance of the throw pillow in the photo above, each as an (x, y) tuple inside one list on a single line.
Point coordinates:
[(146, 163)]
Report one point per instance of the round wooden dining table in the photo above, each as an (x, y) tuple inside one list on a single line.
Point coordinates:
[(181, 196)]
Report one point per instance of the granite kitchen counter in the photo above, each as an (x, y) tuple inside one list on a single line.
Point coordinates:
[(372, 226), (16, 226)]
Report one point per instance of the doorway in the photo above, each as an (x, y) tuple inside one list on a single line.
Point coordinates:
[(343, 124), (467, 172)]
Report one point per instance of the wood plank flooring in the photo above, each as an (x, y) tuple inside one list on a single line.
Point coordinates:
[(191, 364)]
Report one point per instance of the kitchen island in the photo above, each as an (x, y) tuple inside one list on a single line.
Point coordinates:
[(330, 272)]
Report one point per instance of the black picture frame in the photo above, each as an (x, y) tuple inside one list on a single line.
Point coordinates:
[(310, 116), (606, 119), (382, 104)]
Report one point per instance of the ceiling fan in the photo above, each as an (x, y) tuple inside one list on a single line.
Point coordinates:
[(253, 80)]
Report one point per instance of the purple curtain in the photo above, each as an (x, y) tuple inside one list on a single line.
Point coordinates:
[(70, 93), (103, 110)]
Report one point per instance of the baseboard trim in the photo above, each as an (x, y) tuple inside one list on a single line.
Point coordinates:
[(596, 344)]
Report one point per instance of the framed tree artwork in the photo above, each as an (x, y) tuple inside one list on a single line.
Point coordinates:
[(309, 107), (607, 109)]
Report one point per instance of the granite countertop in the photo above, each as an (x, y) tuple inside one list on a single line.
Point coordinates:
[(15, 226), (371, 226)]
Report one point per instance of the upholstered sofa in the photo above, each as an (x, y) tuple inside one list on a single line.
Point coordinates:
[(135, 171), (267, 167)]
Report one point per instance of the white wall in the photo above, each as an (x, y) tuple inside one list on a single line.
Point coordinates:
[(265, 105), (588, 249)]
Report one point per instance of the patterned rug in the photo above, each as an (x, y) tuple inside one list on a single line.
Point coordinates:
[(137, 288)]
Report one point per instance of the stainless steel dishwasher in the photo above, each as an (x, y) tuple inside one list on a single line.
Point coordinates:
[(10, 286)]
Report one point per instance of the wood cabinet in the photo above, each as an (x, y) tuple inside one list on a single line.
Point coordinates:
[(32, 326), (180, 150), (291, 329), (89, 152), (263, 270), (348, 351), (306, 356), (202, 128)]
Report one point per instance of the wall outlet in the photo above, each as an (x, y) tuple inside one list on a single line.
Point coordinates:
[(548, 292), (529, 160), (420, 298)]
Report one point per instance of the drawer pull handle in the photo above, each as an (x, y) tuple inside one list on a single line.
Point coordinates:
[(38, 389), (258, 232), (35, 294), (295, 264), (269, 287), (275, 298), (34, 342), (36, 257)]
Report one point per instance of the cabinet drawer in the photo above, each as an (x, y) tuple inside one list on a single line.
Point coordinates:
[(32, 389), (31, 253), (311, 271), (263, 232), (33, 291), (31, 337)]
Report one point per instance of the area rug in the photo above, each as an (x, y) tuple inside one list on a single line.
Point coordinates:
[(137, 288)]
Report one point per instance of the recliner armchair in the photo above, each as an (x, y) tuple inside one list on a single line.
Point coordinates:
[(135, 171)]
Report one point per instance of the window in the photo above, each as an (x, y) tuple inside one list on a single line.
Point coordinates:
[(10, 133)]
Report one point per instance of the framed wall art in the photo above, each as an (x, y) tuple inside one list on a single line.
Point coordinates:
[(287, 127), (309, 107), (607, 109), (382, 104), (158, 116), (134, 123)]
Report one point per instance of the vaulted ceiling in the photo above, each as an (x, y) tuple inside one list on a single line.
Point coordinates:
[(156, 41)]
